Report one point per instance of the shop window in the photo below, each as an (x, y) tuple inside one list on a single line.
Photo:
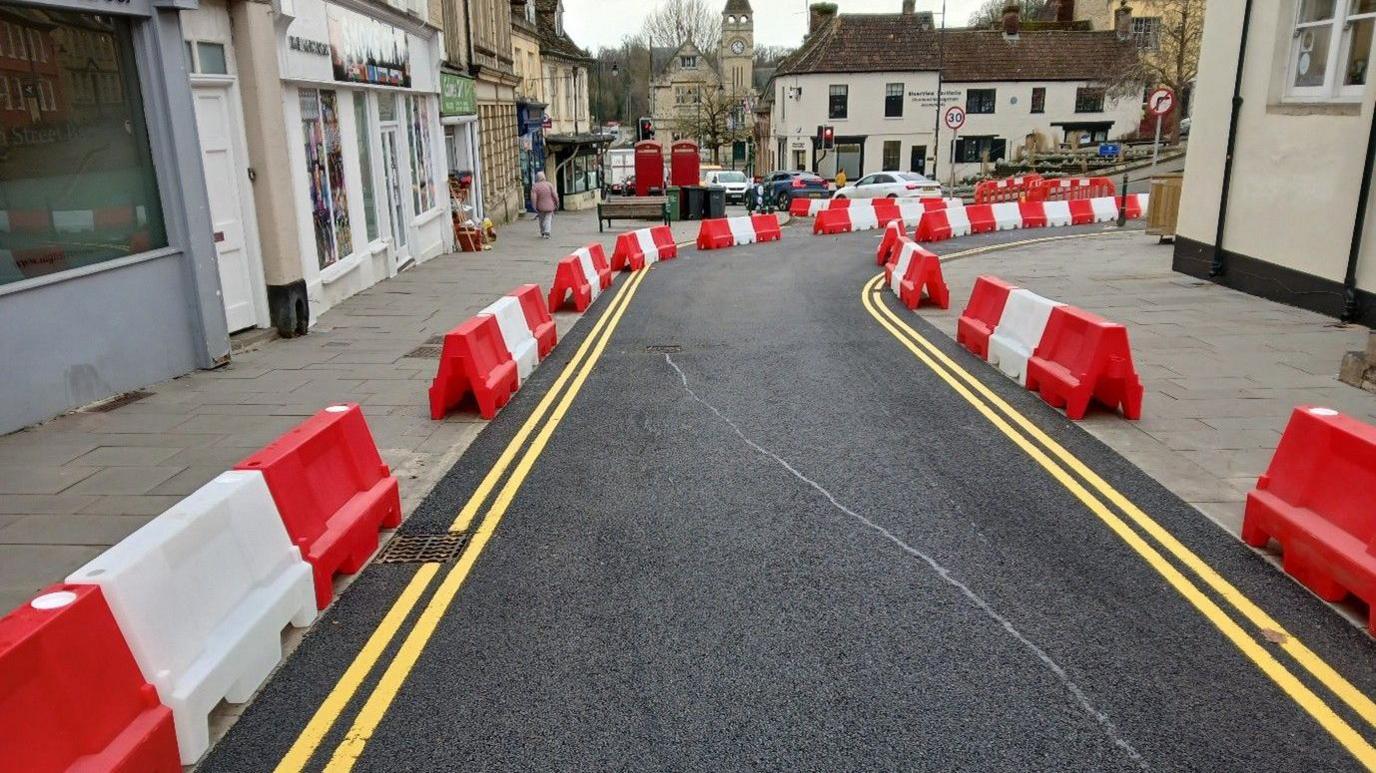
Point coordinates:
[(1330, 50), (893, 149), (325, 173), (893, 100), (211, 59), (1089, 99), (980, 100), (838, 98), (77, 183), (422, 169), (364, 131), (1039, 99)]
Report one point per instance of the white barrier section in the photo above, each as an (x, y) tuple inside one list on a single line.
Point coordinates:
[(910, 210), (1057, 213), (905, 260), (959, 220), (201, 594), (817, 205), (863, 218), (1143, 200), (1007, 215), (1105, 209), (1019, 331), (647, 245), (589, 271), (742, 230), (516, 333)]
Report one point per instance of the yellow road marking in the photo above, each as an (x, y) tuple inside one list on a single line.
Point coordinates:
[(335, 703), (373, 711), (470, 508), (1336, 726), (1291, 644), (300, 752)]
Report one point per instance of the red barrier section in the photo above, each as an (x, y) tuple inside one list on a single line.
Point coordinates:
[(71, 696), (537, 318), (664, 240), (568, 278), (1007, 189), (930, 204), (1083, 356), (831, 221), (982, 314), (767, 228), (332, 491), (886, 210), (1070, 188), (799, 207), (1134, 206), (1081, 211), (474, 360), (888, 246), (1315, 500), (1033, 214), (924, 273), (935, 226), (981, 218), (840, 203), (715, 234), (599, 264)]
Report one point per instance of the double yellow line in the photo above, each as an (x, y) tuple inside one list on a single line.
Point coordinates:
[(1097, 495), (375, 707)]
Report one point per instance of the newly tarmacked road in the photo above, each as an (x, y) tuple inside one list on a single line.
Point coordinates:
[(769, 528)]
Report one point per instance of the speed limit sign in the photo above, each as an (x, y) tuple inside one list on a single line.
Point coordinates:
[(955, 117), (1160, 101)]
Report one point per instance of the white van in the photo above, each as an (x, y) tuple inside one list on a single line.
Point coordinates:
[(735, 183)]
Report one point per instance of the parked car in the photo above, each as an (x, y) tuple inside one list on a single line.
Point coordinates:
[(781, 188), (735, 183), (891, 185)]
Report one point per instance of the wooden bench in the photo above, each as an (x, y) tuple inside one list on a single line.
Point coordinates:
[(632, 208)]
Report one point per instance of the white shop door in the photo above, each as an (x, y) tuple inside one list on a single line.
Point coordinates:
[(223, 170)]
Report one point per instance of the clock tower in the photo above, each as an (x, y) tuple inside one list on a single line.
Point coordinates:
[(737, 54)]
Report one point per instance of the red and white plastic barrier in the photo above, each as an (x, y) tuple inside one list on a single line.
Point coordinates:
[(202, 593), (643, 246), (1009, 215), (1068, 355), (1008, 189), (850, 219), (584, 274), (914, 271), (516, 335), (538, 321), (1315, 500), (474, 361), (717, 233), (943, 223)]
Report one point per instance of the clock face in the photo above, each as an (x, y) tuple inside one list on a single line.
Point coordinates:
[(738, 46)]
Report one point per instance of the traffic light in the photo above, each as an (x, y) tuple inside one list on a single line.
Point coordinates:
[(646, 130), (828, 137)]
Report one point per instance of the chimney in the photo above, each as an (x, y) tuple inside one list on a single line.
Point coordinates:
[(909, 7), (1066, 11), (818, 14), (1122, 21), (1012, 20)]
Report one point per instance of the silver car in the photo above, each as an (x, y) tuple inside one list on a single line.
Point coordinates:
[(735, 183)]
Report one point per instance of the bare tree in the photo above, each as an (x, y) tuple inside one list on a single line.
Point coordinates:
[(1168, 56), (675, 21), (717, 119), (990, 12)]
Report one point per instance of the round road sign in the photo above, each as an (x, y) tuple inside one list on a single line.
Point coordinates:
[(955, 117), (1160, 101)]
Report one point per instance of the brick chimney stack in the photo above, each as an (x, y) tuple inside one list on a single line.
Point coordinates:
[(909, 7), (818, 14), (1122, 21), (1012, 20)]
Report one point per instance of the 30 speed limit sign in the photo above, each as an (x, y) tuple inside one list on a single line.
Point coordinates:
[(955, 117), (1160, 101)]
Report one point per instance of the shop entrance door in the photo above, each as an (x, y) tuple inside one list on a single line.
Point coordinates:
[(396, 202), (240, 272)]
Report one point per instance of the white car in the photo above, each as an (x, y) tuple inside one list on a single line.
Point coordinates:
[(891, 185), (735, 183)]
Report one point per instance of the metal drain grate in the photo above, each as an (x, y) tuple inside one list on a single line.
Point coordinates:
[(664, 348), (423, 548), (425, 352), (118, 401)]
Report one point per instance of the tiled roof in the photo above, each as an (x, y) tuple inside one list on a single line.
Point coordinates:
[(553, 42), (895, 42)]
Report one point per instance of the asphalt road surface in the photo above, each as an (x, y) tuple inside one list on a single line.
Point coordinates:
[(748, 517)]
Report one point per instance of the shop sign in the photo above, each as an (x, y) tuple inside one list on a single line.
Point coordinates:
[(306, 45), (458, 95), (364, 50)]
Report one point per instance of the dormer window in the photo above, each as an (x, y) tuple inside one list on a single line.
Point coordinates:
[(688, 62), (744, 19)]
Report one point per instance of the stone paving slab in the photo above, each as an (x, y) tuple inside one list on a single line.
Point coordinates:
[(81, 482), (1222, 369)]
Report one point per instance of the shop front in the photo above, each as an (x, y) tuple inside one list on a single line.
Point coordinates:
[(365, 145), (107, 269), (459, 115), (577, 163)]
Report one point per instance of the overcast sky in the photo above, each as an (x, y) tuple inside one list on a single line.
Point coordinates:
[(596, 23)]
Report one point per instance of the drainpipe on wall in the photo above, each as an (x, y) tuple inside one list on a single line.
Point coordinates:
[(1354, 253), (1216, 266)]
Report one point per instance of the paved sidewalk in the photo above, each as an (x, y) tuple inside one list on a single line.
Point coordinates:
[(1222, 369), (79, 483)]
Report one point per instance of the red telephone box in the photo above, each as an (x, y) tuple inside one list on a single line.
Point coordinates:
[(649, 167), (685, 164)]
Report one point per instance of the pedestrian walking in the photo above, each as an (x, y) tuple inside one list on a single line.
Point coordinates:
[(546, 200)]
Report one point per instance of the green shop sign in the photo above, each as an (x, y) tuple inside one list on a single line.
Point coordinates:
[(457, 95)]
